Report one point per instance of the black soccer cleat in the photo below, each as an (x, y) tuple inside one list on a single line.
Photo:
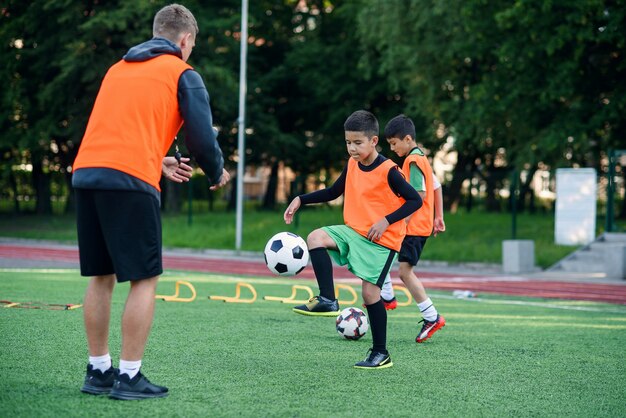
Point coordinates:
[(139, 387), (318, 306), (97, 382), (375, 360)]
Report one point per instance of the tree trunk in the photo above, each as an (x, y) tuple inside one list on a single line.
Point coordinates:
[(211, 200), (70, 204), (525, 192), (232, 200), (41, 184), (491, 201), (459, 175), (269, 200), (16, 202), (622, 212), (172, 196)]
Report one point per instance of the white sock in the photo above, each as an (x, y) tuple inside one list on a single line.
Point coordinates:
[(102, 363), (428, 310), (131, 368), (387, 291)]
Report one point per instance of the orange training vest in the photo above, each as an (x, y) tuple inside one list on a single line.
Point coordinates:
[(368, 198), (135, 118), (421, 223)]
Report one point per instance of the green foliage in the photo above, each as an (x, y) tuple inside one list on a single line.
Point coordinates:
[(261, 359), (525, 84), (523, 76)]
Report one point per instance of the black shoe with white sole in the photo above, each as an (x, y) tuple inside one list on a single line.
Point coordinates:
[(139, 387), (97, 382)]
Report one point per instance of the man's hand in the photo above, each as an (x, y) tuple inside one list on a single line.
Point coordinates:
[(223, 180), (174, 172)]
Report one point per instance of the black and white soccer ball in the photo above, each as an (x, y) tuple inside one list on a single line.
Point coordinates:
[(286, 254), (352, 323)]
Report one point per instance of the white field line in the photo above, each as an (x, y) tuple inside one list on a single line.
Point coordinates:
[(536, 304)]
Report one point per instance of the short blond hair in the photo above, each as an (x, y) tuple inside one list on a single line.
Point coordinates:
[(172, 21)]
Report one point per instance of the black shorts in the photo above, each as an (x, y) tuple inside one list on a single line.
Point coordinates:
[(411, 250), (119, 232)]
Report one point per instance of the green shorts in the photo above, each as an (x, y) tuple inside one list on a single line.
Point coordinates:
[(366, 260)]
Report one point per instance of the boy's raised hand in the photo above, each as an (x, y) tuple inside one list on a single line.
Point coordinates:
[(377, 230), (438, 226), (291, 209)]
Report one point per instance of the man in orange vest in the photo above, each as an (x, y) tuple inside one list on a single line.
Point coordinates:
[(400, 133), (142, 104)]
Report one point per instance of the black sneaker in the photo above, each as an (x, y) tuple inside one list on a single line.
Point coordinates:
[(97, 382), (318, 306), (375, 360), (139, 387)]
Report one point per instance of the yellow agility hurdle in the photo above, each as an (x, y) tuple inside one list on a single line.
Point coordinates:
[(292, 298), (176, 296), (237, 298), (41, 305), (404, 290), (350, 290), (307, 289)]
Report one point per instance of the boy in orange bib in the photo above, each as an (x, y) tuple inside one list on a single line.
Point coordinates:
[(400, 133), (376, 201)]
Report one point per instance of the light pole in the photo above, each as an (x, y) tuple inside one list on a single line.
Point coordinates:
[(241, 122)]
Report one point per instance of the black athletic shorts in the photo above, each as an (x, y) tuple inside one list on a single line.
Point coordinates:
[(411, 250), (119, 232)]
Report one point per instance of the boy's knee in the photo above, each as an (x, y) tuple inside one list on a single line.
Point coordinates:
[(370, 293), (405, 271), (316, 239)]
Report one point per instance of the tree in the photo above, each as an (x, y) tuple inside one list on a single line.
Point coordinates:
[(515, 83)]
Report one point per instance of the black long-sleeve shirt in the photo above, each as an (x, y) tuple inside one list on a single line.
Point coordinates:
[(396, 181)]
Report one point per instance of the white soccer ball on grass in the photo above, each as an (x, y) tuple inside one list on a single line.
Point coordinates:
[(352, 323), (286, 254)]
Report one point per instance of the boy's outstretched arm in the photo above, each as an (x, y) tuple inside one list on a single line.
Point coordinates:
[(291, 210), (438, 225), (318, 196)]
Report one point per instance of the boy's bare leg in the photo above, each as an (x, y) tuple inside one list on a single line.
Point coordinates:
[(320, 238), (97, 313), (137, 318), (412, 283), (371, 293), (432, 320)]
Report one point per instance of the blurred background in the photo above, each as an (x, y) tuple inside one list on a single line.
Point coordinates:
[(503, 93)]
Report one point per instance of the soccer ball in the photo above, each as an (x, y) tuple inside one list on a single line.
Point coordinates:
[(286, 254), (352, 323)]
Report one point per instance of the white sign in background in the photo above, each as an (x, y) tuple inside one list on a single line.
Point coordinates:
[(576, 195)]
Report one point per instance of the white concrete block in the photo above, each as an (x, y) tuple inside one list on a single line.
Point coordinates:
[(518, 256), (615, 261)]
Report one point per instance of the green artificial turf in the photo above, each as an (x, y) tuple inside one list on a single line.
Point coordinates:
[(497, 356)]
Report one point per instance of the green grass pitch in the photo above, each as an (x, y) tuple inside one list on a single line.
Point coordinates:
[(497, 356)]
